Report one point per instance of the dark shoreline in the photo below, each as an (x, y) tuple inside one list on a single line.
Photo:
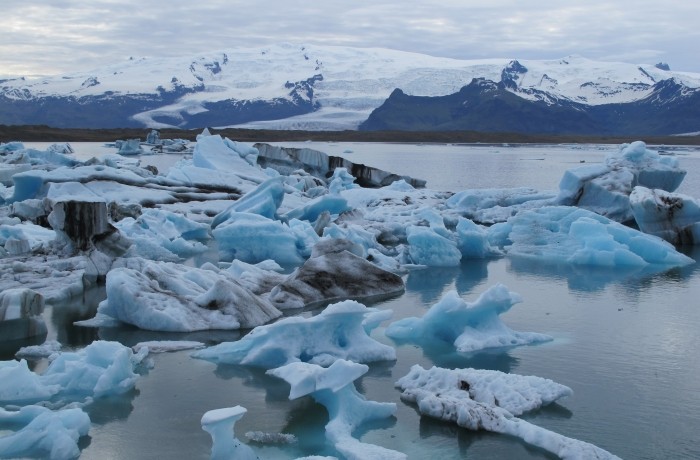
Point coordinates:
[(31, 133)]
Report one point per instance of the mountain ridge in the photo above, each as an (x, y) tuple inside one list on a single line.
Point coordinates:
[(291, 86)]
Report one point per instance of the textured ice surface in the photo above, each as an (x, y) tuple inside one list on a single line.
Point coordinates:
[(43, 433), (671, 216), (219, 423), (575, 236), (605, 188), (347, 409), (338, 332), (492, 400), (163, 296), (100, 369), (333, 276), (469, 326)]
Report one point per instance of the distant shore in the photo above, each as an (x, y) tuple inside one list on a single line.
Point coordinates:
[(31, 133)]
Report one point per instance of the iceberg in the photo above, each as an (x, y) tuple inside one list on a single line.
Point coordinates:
[(347, 409), (671, 216), (605, 188), (469, 326), (427, 247), (263, 200), (575, 236), (20, 314), (253, 238), (334, 273), (43, 433), (492, 401), (98, 370), (491, 205), (164, 235), (341, 331), (163, 296), (219, 423)]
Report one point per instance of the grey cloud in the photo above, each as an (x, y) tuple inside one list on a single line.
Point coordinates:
[(50, 36)]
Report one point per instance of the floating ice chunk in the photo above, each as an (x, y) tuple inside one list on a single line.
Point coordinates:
[(43, 433), (164, 346), (347, 409), (64, 148), (253, 238), (341, 180), (13, 146), (259, 278), (491, 400), (427, 247), (473, 240), (491, 205), (25, 237), (352, 232), (158, 229), (130, 147), (100, 369), (332, 202), (219, 423), (605, 188), (338, 332), (264, 200), (332, 276), (163, 296), (568, 235), (44, 350), (469, 326), (671, 216), (270, 438), (213, 152)]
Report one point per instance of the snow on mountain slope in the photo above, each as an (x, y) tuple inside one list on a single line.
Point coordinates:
[(339, 85)]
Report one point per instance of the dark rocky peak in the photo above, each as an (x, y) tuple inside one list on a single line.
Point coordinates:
[(91, 81), (662, 66), (511, 74)]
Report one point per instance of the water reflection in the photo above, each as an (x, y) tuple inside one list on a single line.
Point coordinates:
[(583, 278)]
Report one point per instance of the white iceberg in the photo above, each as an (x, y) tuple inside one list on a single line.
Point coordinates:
[(347, 409), (492, 400), (341, 331), (163, 235), (605, 188), (163, 296), (469, 326)]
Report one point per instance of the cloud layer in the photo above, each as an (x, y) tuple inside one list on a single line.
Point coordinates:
[(57, 36)]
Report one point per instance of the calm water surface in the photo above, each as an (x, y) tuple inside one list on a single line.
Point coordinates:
[(626, 342)]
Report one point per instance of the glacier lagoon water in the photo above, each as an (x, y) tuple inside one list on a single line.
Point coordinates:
[(625, 342)]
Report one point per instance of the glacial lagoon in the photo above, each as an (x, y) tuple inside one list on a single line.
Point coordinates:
[(624, 341)]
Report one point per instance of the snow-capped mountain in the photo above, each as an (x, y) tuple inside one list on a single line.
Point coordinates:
[(314, 87)]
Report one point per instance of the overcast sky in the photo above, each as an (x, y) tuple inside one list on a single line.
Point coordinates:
[(59, 36)]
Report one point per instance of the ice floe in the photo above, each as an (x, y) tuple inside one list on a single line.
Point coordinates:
[(492, 401)]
